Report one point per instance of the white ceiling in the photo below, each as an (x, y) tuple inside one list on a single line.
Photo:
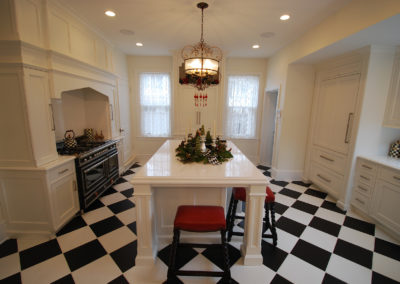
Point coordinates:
[(233, 25)]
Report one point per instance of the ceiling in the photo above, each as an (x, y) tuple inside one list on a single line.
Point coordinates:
[(233, 25)]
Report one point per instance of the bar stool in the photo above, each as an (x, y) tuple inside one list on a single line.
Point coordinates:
[(199, 219), (239, 194)]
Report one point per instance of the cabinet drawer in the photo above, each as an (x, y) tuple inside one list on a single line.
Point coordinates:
[(326, 179), (360, 201), (364, 189), (365, 178), (367, 166), (62, 171), (389, 175), (330, 160)]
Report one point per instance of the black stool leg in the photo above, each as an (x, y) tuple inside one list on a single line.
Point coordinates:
[(267, 224), (231, 221), (227, 272), (273, 227), (172, 255), (229, 212)]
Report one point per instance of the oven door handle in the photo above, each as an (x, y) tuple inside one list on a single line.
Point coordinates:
[(93, 166)]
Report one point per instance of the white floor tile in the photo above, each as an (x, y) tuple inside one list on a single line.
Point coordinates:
[(283, 199), (31, 241), (251, 274), (386, 266), (286, 241), (147, 274), (112, 198), (356, 237), (122, 186), (117, 239), (275, 188), (75, 238), (129, 177), (319, 238), (300, 272), (330, 215), (348, 271), (127, 216), (298, 216), (379, 233), (46, 271), (9, 265), (311, 199), (296, 187), (200, 262), (99, 214), (100, 271)]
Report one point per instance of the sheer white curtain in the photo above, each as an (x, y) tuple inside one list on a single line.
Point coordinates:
[(155, 102), (242, 102)]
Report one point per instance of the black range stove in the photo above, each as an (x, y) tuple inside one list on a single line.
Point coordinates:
[(96, 166)]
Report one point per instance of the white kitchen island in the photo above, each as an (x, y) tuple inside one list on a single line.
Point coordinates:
[(164, 183)]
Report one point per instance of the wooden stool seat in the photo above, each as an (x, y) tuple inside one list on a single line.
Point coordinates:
[(239, 194), (196, 218)]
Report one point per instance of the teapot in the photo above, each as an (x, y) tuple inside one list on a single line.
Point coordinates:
[(69, 141)]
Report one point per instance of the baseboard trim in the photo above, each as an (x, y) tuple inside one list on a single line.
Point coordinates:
[(3, 234), (286, 175)]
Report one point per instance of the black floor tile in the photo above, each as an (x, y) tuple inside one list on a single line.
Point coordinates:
[(298, 182), (128, 172), (359, 225), (381, 279), (119, 280), (280, 183), (39, 253), (127, 193), (279, 280), (174, 280), (329, 279), (105, 226), (280, 208), (311, 254), (273, 257), (332, 206), (121, 206), (306, 207), (267, 173), (325, 226), (183, 255), (13, 279), (216, 255), (8, 247), (125, 257), (84, 254), (316, 193), (132, 227), (109, 191), (291, 193), (290, 226), (223, 281), (265, 168), (95, 205), (74, 224), (65, 280), (120, 180), (388, 249), (354, 253), (135, 165)]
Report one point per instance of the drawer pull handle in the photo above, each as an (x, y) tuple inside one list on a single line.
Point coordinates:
[(362, 188), (75, 187), (349, 128), (326, 158), (323, 178), (63, 171), (367, 167), (364, 177), (396, 178), (359, 200)]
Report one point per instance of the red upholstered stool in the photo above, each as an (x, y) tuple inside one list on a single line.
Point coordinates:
[(199, 219), (239, 194)]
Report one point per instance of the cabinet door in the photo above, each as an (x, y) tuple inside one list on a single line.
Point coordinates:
[(385, 205), (64, 198), (336, 104), (125, 121), (392, 112)]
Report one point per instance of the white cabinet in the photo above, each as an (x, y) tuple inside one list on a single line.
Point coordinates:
[(392, 112), (376, 191)]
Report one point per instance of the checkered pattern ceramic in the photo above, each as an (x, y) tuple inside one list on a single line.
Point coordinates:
[(317, 243)]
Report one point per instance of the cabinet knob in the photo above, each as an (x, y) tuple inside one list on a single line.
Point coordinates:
[(121, 130)]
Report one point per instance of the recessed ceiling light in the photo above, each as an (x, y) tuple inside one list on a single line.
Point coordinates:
[(256, 46), (285, 17), (139, 44), (110, 13)]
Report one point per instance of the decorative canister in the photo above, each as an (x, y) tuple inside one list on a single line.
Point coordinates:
[(394, 150), (89, 133), (69, 139)]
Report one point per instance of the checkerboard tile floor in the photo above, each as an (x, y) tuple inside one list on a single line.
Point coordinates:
[(317, 243)]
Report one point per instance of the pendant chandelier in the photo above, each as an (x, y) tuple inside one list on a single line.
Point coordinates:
[(201, 61)]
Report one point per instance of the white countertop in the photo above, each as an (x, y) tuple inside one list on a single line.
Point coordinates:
[(384, 160), (62, 159), (164, 167)]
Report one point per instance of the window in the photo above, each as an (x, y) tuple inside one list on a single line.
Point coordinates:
[(242, 101), (155, 102)]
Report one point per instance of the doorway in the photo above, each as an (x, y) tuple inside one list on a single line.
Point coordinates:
[(268, 127)]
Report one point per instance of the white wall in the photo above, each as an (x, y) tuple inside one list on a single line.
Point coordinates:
[(356, 16)]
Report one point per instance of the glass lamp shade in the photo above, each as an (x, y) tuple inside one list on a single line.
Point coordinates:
[(201, 66)]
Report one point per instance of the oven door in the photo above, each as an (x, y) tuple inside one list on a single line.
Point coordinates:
[(113, 164), (93, 175)]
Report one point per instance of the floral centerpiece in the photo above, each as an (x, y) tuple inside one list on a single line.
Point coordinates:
[(202, 148)]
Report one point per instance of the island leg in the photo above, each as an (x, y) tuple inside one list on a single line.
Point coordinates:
[(251, 247), (147, 243)]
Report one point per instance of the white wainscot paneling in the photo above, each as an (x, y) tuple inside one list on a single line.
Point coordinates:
[(8, 30), (82, 45), (59, 34), (29, 21)]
